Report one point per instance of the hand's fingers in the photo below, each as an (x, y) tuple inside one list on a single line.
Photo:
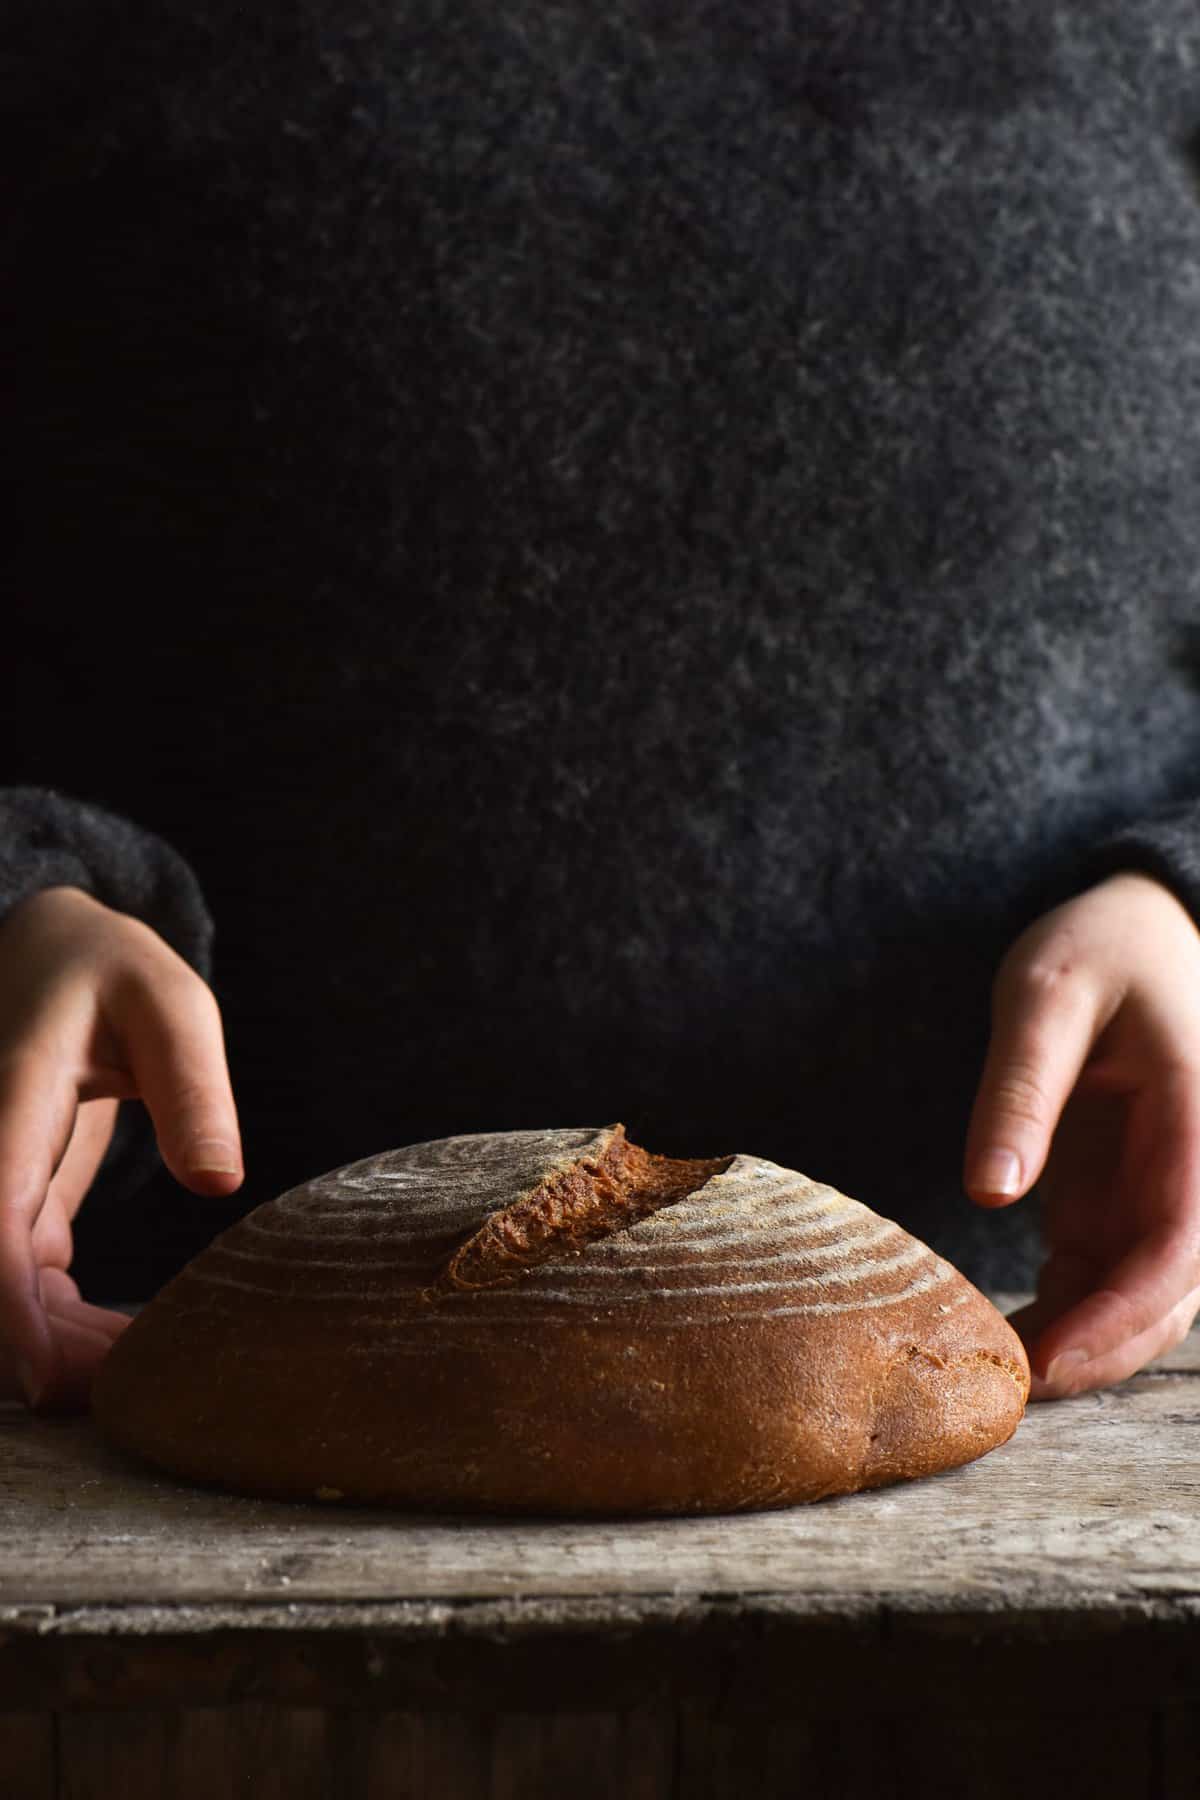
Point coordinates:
[(1126, 1360), (1162, 1267), (1044, 1022), (83, 1335), (37, 1115), (78, 1354), (62, 1300), (171, 1029), (95, 1123), (52, 1241)]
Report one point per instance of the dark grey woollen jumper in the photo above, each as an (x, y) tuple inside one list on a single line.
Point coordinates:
[(617, 554)]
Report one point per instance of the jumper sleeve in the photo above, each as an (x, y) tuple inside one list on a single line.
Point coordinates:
[(1166, 846), (51, 839)]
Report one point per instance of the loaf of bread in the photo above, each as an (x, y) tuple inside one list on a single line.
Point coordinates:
[(559, 1322)]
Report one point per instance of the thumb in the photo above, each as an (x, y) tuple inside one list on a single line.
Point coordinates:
[(171, 1030), (1043, 1027)]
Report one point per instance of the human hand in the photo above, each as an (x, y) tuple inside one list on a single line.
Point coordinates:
[(95, 1008), (1093, 1074)]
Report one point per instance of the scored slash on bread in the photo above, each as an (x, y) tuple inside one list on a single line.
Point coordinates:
[(562, 1322), (591, 1198)]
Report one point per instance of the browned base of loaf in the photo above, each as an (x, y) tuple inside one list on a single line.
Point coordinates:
[(559, 1323)]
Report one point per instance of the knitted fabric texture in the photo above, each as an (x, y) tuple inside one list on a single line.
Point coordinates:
[(671, 532)]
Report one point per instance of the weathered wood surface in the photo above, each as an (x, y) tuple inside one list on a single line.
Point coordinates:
[(1095, 1501), (1028, 1577), (1028, 1625)]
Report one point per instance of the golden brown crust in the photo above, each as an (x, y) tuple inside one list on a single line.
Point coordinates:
[(753, 1340)]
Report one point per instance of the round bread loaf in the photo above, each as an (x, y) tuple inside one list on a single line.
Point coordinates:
[(559, 1322)]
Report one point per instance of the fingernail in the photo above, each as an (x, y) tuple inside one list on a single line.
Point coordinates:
[(30, 1383), (1066, 1364), (998, 1172), (213, 1156)]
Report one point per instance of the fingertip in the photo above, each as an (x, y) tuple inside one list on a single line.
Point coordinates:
[(1064, 1372), (996, 1177), (79, 1351), (27, 1329), (205, 1166), (1057, 1376), (995, 1185), (215, 1183), (32, 1384), (175, 1045), (38, 1370), (991, 1202)]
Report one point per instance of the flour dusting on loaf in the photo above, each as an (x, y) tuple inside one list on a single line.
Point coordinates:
[(561, 1321), (766, 1237)]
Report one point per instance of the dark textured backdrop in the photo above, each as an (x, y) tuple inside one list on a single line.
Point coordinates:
[(630, 549)]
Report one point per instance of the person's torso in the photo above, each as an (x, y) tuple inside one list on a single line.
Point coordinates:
[(661, 536)]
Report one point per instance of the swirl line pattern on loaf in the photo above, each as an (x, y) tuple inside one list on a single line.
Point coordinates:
[(826, 1253), (707, 1234), (834, 1252)]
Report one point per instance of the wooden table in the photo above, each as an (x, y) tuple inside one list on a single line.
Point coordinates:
[(1027, 1625)]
